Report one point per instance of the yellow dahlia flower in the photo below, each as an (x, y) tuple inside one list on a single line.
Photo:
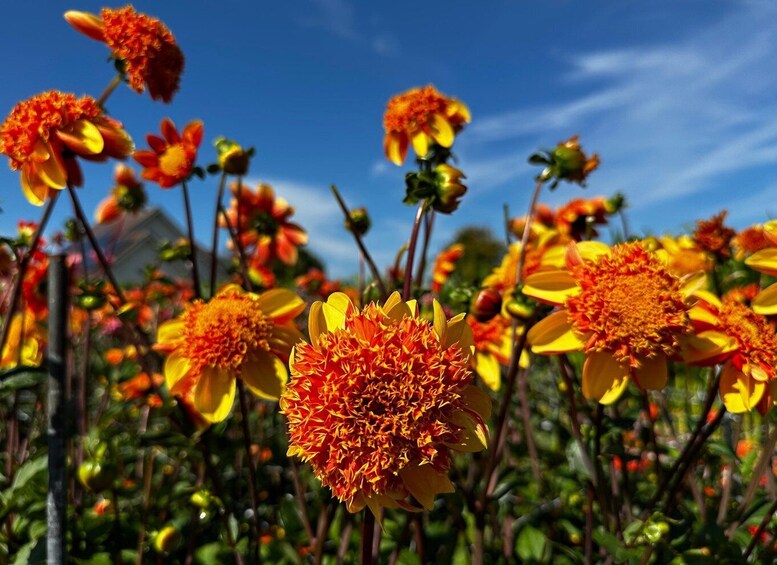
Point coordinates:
[(620, 306), (236, 334)]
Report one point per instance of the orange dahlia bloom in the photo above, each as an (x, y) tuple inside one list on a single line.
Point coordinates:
[(714, 237), (262, 220), (234, 335), (171, 158), (578, 217), (380, 399), (43, 135), (444, 265), (765, 261), (423, 117), (620, 306), (144, 45), (729, 332)]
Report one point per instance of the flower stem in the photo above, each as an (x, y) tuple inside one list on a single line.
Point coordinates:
[(192, 244), (360, 243), (241, 392), (761, 528), (215, 249), (115, 82), (368, 529), (95, 245), (411, 250), (506, 214), (527, 232), (241, 256), (24, 263), (428, 226)]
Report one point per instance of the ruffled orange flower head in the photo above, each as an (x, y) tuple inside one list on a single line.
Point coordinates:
[(421, 116), (147, 48), (380, 399), (43, 135)]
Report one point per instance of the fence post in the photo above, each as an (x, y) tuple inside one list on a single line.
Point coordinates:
[(56, 501)]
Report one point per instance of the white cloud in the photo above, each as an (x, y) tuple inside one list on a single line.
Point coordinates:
[(338, 18), (669, 120)]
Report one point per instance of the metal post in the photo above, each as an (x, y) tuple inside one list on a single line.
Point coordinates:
[(56, 501)]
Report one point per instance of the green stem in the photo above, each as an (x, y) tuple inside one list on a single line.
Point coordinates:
[(215, 248), (192, 244)]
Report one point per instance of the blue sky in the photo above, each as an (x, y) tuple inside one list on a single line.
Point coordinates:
[(677, 97)]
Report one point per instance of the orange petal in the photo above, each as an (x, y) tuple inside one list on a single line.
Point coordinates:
[(316, 322), (551, 287), (554, 334), (169, 132), (193, 132), (146, 158), (604, 378)]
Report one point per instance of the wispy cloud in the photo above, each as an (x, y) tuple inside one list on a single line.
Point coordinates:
[(339, 18), (670, 120)]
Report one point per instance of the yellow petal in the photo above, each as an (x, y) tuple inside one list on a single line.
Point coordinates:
[(424, 483), (764, 261), (551, 287), (766, 301), (489, 370), (82, 137), (553, 335), (702, 315), (604, 379), (460, 333), (52, 171), (739, 392), (474, 432), (440, 321), (280, 304), (176, 368), (707, 346), (420, 143), (35, 190), (478, 401), (316, 322), (709, 298), (653, 374), (265, 375), (170, 332), (214, 394), (395, 147), (442, 132)]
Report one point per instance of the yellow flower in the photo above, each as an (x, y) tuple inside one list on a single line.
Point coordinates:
[(493, 346), (380, 399), (25, 343), (423, 117), (765, 261), (235, 335), (729, 332), (621, 306)]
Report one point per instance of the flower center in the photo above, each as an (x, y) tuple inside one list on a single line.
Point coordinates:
[(265, 224), (629, 305), (413, 108), (175, 161), (222, 332), (755, 337)]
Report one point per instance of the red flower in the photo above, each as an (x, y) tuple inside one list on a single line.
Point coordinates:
[(171, 158)]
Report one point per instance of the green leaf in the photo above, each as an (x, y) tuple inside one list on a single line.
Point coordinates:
[(530, 543), (407, 557), (21, 377)]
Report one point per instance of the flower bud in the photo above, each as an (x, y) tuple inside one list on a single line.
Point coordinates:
[(486, 304), (232, 158), (359, 221), (166, 539)]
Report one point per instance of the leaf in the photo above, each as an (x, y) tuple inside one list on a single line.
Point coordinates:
[(530, 543), (407, 557), (21, 377)]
